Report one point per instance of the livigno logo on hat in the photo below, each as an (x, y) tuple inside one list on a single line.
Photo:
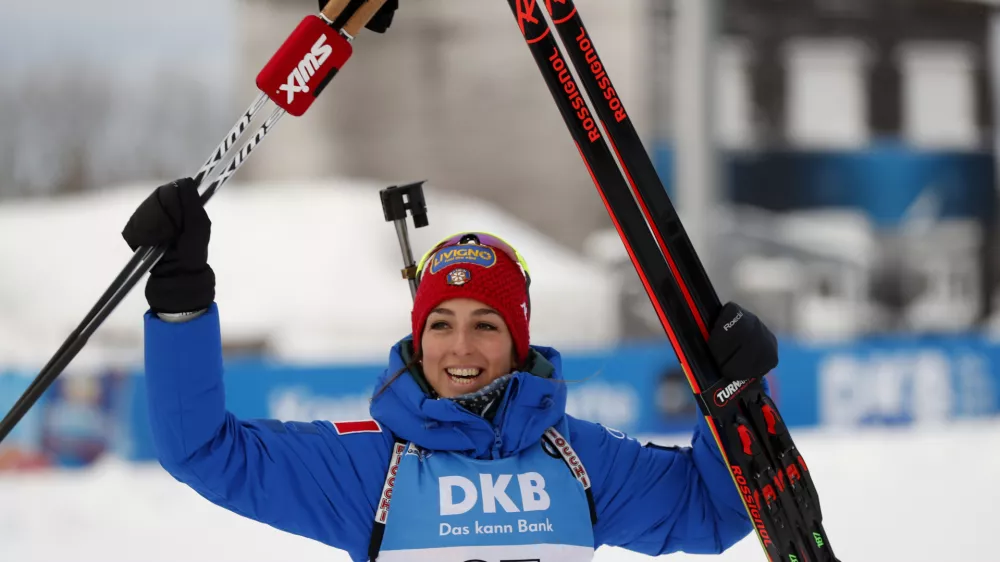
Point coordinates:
[(483, 256)]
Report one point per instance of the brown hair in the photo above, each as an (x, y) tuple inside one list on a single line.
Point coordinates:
[(409, 365)]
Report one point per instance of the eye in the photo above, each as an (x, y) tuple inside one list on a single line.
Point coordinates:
[(486, 326), (439, 325)]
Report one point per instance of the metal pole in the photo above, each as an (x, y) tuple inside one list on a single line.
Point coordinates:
[(991, 226), (396, 201), (695, 157), (404, 246)]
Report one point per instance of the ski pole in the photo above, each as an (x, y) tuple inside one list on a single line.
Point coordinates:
[(292, 79), (143, 254)]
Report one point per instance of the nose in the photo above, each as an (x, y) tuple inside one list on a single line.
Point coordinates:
[(462, 345)]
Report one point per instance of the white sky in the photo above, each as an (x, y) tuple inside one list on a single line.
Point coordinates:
[(119, 33)]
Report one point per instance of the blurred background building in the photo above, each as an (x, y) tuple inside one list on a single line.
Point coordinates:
[(850, 164), (835, 162), (452, 95)]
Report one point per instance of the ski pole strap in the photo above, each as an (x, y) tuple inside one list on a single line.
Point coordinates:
[(569, 456), (382, 512)]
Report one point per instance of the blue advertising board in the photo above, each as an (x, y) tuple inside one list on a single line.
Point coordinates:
[(635, 388), (889, 381), (77, 420)]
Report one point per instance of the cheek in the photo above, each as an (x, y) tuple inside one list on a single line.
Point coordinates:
[(430, 340), (430, 352), (430, 365), (501, 353), (435, 347)]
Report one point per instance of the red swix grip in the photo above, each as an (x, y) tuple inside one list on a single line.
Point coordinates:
[(299, 70)]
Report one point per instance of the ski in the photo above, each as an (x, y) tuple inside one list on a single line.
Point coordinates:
[(769, 472)]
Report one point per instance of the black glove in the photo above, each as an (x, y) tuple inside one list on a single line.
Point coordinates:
[(182, 280), (382, 19), (742, 346)]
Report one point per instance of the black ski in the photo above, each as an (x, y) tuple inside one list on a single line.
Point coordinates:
[(767, 469)]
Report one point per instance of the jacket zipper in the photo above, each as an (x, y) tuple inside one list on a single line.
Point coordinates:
[(502, 413)]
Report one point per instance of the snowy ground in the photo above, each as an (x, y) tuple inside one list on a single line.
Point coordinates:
[(888, 495)]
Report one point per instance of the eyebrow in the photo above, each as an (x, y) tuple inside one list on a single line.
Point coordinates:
[(478, 312)]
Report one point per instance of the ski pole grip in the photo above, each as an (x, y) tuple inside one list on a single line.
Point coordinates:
[(333, 9), (362, 16), (304, 64)]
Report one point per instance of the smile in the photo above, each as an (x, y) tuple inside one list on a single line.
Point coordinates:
[(464, 375)]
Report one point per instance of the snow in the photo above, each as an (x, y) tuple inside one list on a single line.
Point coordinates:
[(919, 494), (312, 268)]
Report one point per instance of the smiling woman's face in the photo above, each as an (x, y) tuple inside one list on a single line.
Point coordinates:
[(466, 345)]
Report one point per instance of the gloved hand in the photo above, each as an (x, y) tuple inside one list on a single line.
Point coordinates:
[(742, 346), (182, 281), (382, 19)]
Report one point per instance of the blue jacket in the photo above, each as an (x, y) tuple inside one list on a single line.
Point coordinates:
[(310, 480)]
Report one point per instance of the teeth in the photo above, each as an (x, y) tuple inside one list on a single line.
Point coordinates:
[(464, 372)]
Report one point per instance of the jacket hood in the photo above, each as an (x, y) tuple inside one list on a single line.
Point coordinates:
[(531, 404)]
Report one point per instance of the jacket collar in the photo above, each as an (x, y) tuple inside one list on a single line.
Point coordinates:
[(534, 400)]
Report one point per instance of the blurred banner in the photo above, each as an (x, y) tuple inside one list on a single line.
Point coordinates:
[(78, 419), (882, 181), (639, 389)]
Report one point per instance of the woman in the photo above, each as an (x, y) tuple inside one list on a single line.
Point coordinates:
[(468, 437)]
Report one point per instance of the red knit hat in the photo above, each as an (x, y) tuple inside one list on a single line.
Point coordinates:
[(475, 271)]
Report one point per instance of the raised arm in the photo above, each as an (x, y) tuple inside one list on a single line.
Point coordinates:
[(304, 478)]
